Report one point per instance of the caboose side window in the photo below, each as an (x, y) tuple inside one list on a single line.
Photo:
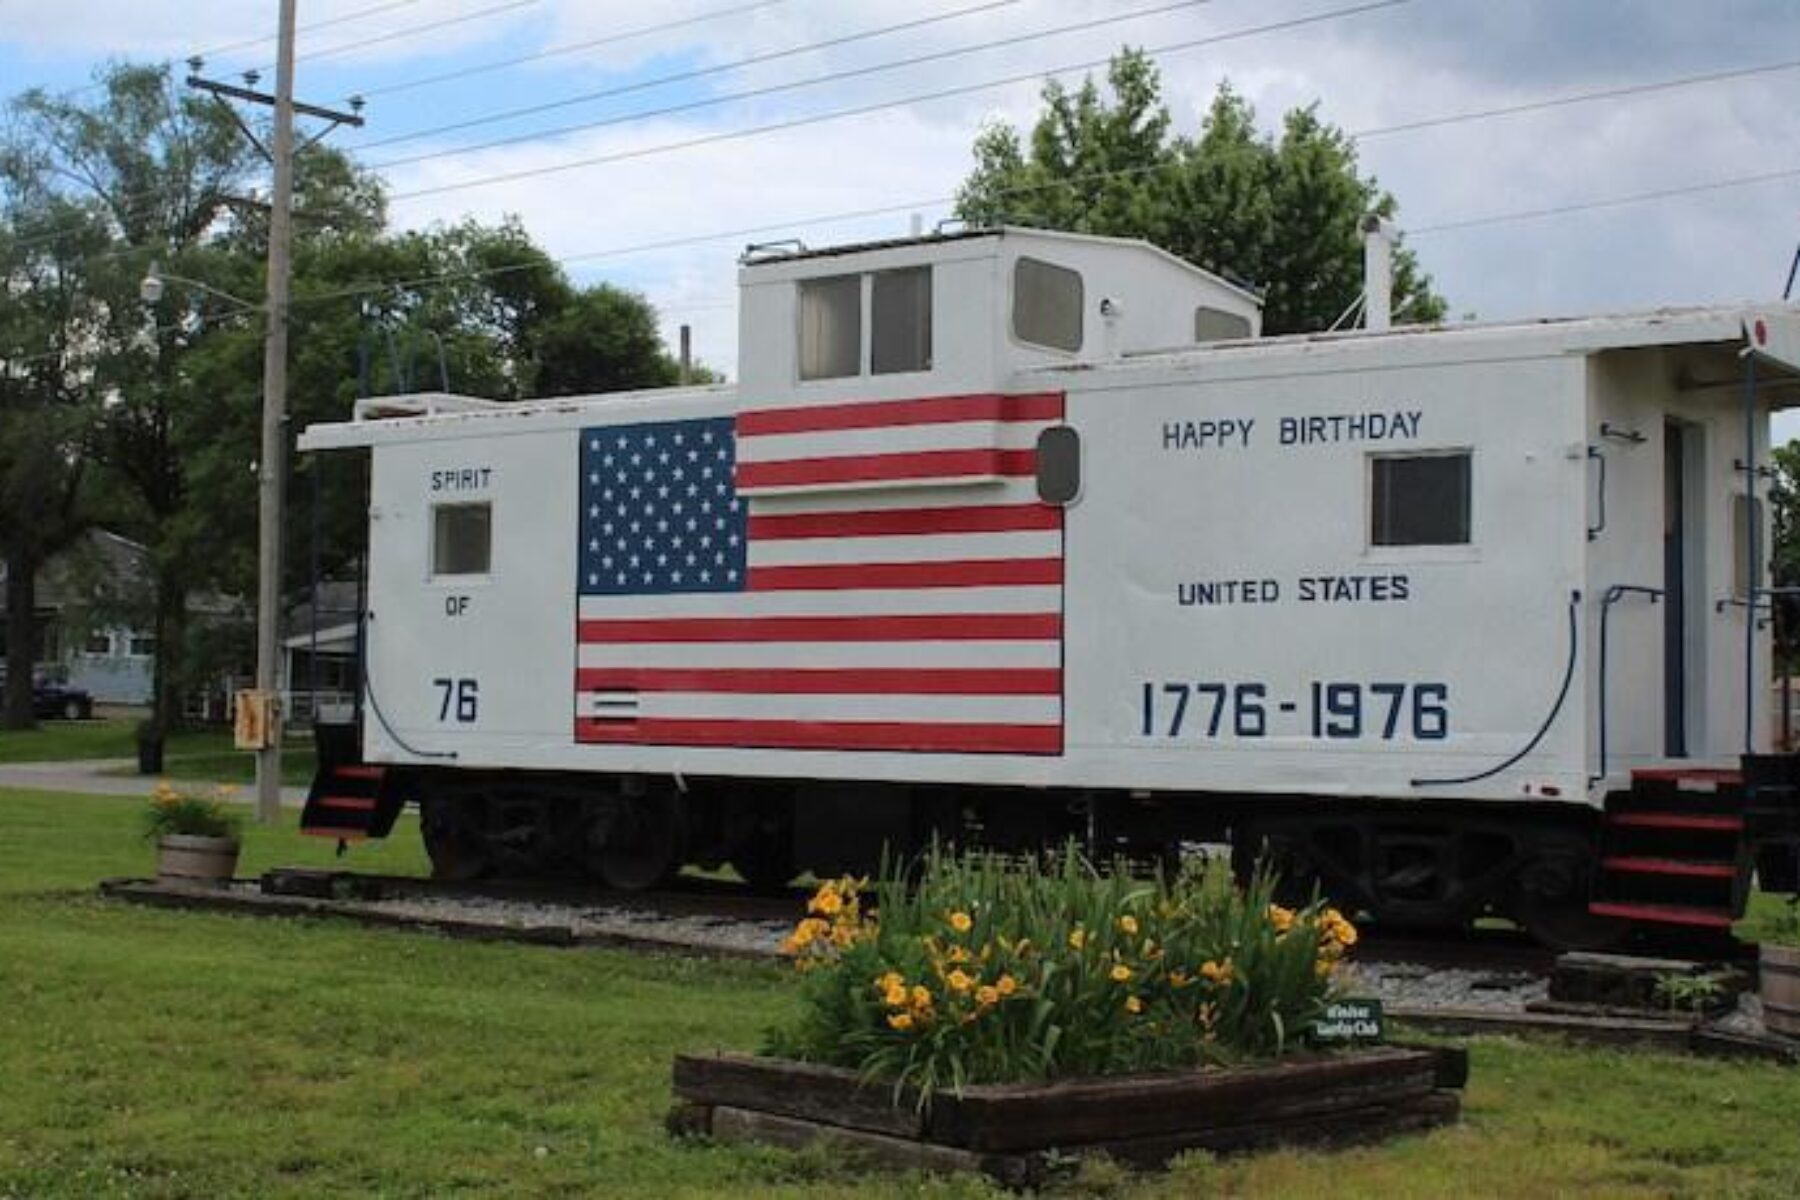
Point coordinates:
[(1419, 500), (1047, 303), (1217, 325), (830, 326), (461, 539), (900, 320), (1740, 544)]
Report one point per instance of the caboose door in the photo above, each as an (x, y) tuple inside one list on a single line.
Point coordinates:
[(1676, 441)]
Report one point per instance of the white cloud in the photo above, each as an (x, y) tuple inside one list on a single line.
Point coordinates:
[(1369, 70)]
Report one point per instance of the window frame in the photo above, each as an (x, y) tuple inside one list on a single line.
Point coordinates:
[(930, 323), (432, 573), (859, 367), (1467, 549), (1012, 307)]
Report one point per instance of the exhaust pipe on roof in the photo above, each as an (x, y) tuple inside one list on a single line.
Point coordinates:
[(1379, 236)]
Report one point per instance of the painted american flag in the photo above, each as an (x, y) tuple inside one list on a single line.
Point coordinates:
[(864, 576)]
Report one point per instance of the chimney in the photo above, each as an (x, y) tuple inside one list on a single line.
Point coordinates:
[(1379, 236)]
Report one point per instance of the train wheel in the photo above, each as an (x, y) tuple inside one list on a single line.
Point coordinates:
[(453, 840), (1568, 925), (646, 842)]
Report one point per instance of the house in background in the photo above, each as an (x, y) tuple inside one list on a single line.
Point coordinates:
[(78, 642), (86, 640), (319, 654)]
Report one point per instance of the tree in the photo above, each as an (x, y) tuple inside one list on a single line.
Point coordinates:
[(1283, 214), (172, 392), (48, 409)]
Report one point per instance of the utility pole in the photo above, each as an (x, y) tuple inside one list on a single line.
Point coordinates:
[(271, 466)]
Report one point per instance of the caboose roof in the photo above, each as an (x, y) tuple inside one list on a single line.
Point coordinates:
[(760, 257), (1771, 331)]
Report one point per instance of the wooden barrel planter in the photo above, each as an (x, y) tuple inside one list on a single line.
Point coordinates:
[(192, 861), (1779, 968), (1017, 1133)]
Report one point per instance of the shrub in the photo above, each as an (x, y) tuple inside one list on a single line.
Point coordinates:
[(980, 969), (176, 811)]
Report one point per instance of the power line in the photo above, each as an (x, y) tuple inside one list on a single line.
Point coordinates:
[(1709, 78), (566, 48), (413, 32), (865, 109), (788, 225), (1557, 210), (1635, 89), (722, 68), (310, 27), (342, 19)]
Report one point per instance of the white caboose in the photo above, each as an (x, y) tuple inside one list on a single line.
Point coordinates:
[(1010, 534)]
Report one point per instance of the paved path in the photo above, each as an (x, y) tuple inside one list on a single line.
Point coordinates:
[(99, 777)]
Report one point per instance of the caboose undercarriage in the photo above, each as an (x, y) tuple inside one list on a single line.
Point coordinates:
[(1678, 850)]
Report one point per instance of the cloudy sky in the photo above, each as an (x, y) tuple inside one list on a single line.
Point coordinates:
[(687, 143)]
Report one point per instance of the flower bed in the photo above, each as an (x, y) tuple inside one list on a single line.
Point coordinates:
[(978, 985)]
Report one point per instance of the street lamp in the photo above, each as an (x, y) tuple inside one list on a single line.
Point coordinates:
[(258, 728), (150, 288)]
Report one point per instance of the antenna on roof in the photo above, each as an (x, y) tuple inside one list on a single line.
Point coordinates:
[(1787, 293)]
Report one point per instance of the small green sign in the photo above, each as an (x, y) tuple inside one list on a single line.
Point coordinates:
[(1347, 1022)]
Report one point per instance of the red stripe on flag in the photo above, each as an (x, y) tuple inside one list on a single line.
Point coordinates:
[(937, 627), (827, 735), (879, 414), (966, 572), (902, 522), (827, 681), (879, 468)]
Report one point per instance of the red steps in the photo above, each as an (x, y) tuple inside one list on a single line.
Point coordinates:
[(1638, 865), (1676, 820), (1690, 779), (1663, 914)]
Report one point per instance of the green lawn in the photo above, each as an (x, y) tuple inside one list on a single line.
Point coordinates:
[(190, 754), (151, 1053)]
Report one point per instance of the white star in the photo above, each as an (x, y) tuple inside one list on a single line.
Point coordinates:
[(731, 575), (593, 477), (723, 454), (637, 526), (676, 577), (706, 472), (706, 506), (706, 435), (594, 510), (663, 491), (633, 560), (607, 528), (593, 580), (607, 562), (678, 438), (662, 560), (606, 493), (594, 544), (594, 445), (706, 577), (732, 540), (693, 456), (662, 527), (620, 579), (637, 460), (706, 542), (663, 457), (636, 492), (607, 460)]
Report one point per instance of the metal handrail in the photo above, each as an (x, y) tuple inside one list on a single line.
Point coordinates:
[(1610, 597)]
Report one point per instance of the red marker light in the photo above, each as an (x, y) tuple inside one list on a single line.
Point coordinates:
[(1762, 332)]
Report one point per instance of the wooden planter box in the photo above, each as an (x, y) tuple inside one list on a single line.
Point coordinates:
[(1017, 1132)]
